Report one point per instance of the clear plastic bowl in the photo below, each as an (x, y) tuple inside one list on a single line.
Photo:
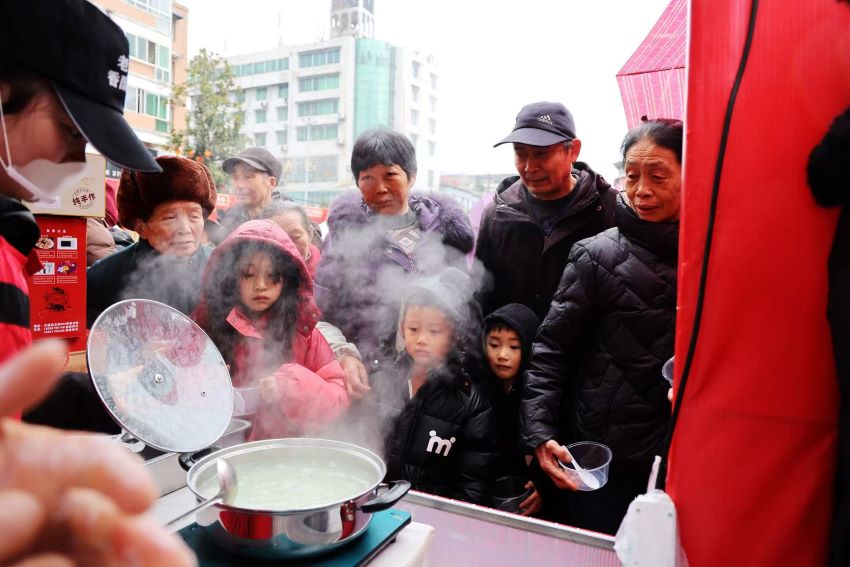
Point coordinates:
[(594, 458), (667, 370), (509, 492)]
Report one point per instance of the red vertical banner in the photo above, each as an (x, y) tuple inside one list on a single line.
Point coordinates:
[(58, 291), (752, 465)]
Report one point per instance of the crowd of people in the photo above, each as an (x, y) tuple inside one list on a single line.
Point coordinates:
[(458, 368), (385, 333)]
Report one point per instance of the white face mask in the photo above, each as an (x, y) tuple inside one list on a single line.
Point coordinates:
[(43, 179)]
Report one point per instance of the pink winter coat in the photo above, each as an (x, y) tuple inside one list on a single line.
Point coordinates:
[(311, 384)]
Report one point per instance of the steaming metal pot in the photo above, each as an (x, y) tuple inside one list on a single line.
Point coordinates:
[(163, 380)]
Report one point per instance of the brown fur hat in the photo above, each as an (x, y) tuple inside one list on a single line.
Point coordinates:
[(181, 179)]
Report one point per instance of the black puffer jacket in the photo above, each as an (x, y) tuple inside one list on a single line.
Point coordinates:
[(525, 263), (595, 372), (505, 403), (443, 440)]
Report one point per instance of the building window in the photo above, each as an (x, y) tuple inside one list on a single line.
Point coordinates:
[(430, 178), (149, 104), (314, 169), (260, 67), (433, 81), (432, 125), (152, 53), (432, 148), (414, 117), (318, 57), (318, 107), (131, 101), (433, 104), (318, 83), (414, 139), (283, 90), (260, 116), (240, 95), (261, 93), (260, 139), (414, 93), (317, 132), (415, 69), (281, 136), (282, 112)]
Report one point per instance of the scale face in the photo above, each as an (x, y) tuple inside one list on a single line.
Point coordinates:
[(160, 376)]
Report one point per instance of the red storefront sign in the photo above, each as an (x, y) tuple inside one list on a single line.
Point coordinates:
[(316, 214), (58, 291), (224, 201)]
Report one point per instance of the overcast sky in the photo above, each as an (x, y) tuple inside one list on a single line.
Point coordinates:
[(493, 57)]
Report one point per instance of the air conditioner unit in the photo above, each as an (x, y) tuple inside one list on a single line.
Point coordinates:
[(284, 148), (342, 115), (340, 141), (264, 104)]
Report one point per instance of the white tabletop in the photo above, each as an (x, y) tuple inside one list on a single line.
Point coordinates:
[(410, 548)]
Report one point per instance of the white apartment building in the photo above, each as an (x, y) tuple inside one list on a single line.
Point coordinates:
[(308, 103)]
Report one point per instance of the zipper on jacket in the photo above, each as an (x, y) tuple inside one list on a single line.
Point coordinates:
[(411, 267)]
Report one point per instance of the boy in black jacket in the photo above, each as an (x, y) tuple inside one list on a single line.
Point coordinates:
[(507, 337), (443, 432)]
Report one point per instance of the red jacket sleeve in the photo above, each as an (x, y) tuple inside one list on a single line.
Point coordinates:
[(312, 392)]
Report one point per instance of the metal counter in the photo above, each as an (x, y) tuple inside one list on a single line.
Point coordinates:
[(466, 534)]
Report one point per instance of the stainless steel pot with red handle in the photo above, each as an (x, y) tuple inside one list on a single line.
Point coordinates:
[(279, 532)]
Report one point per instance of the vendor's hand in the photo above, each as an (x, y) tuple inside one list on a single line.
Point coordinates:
[(269, 390), (548, 455), (356, 377), (670, 395), (71, 499), (533, 503)]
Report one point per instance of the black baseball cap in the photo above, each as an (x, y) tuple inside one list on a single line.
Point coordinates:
[(85, 56), (258, 158), (542, 124)]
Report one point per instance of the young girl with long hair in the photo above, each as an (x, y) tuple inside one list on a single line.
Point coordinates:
[(257, 306), (439, 429)]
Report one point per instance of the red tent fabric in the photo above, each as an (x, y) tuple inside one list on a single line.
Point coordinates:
[(752, 464), (652, 82)]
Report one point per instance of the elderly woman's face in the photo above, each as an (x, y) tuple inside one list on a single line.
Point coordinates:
[(653, 181), (174, 228), (385, 189), (292, 223)]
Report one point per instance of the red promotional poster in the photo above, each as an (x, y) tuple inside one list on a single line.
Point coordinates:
[(58, 291)]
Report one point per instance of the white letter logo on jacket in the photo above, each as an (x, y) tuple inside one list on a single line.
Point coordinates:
[(436, 444)]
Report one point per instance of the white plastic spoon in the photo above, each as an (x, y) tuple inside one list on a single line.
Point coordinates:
[(587, 478)]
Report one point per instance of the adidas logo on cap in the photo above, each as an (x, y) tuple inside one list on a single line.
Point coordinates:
[(542, 124)]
